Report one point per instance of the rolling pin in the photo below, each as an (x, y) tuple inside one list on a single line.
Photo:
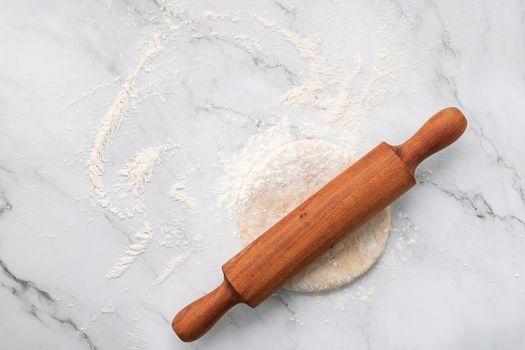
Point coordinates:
[(341, 206)]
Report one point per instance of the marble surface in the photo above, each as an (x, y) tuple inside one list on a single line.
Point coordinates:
[(453, 274)]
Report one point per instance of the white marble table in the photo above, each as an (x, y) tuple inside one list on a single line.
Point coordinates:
[(216, 74)]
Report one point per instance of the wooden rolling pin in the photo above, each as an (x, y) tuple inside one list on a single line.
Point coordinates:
[(342, 205)]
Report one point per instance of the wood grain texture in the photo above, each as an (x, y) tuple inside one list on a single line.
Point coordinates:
[(443, 128), (198, 317), (342, 205)]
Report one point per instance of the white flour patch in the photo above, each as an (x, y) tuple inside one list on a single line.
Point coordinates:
[(85, 95), (155, 88), (110, 125), (143, 239), (179, 193), (183, 243), (173, 264), (174, 237), (139, 170), (404, 234), (137, 338), (250, 44), (238, 167), (363, 294), (337, 90), (108, 309), (341, 298)]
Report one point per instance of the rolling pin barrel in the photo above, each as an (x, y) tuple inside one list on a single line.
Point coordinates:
[(341, 206)]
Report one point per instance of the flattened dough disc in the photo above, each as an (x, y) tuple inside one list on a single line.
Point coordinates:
[(282, 181)]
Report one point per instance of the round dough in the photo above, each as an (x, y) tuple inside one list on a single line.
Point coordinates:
[(282, 181)]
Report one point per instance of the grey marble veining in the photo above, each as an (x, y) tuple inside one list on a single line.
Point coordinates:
[(453, 273)]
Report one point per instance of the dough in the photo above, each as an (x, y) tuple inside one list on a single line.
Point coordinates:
[(282, 181)]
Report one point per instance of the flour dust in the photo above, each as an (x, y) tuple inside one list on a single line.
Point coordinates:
[(337, 92)]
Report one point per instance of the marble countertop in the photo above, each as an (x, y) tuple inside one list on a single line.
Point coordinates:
[(194, 82)]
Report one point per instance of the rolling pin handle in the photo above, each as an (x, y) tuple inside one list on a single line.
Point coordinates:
[(442, 129), (196, 319)]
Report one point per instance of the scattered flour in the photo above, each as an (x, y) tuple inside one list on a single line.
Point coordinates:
[(401, 246), (179, 193), (173, 264), (185, 245), (89, 323), (110, 125), (339, 92), (143, 239), (98, 87), (137, 338), (108, 309), (238, 167), (361, 294), (340, 299), (139, 171), (333, 88)]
